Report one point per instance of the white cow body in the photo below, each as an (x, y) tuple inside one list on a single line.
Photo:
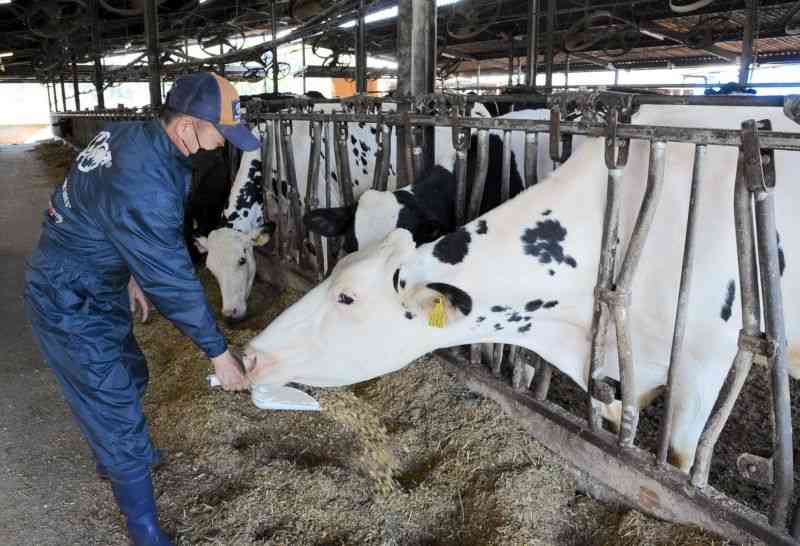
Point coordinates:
[(370, 317)]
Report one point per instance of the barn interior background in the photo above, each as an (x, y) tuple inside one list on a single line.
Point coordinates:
[(433, 54)]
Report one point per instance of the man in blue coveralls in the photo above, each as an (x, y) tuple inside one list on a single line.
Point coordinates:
[(116, 224)]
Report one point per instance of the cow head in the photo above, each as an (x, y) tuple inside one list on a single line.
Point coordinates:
[(230, 259), (368, 318), (372, 218)]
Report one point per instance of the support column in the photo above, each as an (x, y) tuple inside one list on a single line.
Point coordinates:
[(551, 19), (747, 42), (55, 94), (361, 50), (63, 91), (303, 54), (151, 36), (49, 100), (533, 32), (98, 65), (416, 71), (75, 87), (275, 48)]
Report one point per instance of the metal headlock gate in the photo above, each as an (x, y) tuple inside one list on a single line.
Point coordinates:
[(623, 471)]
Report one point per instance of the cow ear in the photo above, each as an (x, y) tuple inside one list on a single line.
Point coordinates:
[(201, 244), (441, 305), (331, 222)]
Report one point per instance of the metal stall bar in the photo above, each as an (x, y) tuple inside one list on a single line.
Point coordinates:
[(619, 299), (271, 199), (475, 198), (383, 155), (682, 310), (312, 193), (151, 35), (616, 158), (342, 163), (63, 92), (749, 336), (461, 144), (295, 213), (505, 192), (55, 95), (760, 170), (283, 202), (274, 25), (49, 100), (551, 21), (747, 41), (331, 243), (531, 158)]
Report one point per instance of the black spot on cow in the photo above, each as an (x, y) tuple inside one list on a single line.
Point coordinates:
[(457, 297), (498, 326), (395, 278), (333, 175), (364, 147), (544, 242), (355, 151), (402, 283), (551, 272), (364, 161), (245, 213), (409, 315), (364, 171), (361, 124), (482, 227), (372, 130), (352, 140), (524, 328), (345, 299), (355, 182), (533, 305), (499, 309), (727, 306), (526, 319), (550, 304), (781, 256), (515, 317), (480, 319), (547, 212), (453, 248)]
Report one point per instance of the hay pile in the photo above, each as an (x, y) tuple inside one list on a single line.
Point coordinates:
[(411, 458), (58, 156)]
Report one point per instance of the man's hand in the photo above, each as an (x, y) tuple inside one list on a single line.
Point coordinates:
[(137, 297), (230, 372)]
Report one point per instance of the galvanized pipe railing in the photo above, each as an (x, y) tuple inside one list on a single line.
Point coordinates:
[(383, 156), (682, 309), (312, 195)]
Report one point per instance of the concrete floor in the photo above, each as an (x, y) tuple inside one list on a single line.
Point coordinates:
[(49, 494)]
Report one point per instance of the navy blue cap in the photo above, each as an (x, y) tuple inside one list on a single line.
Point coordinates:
[(210, 97)]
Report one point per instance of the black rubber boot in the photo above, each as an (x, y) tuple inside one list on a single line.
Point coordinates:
[(137, 503)]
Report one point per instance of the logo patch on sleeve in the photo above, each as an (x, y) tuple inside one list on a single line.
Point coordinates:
[(237, 110)]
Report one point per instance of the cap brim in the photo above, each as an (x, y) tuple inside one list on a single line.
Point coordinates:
[(240, 136)]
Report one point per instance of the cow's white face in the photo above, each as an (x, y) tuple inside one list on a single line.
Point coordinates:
[(355, 325), (230, 259)]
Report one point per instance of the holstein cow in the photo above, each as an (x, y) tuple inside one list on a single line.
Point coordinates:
[(524, 274), (230, 248), (427, 209)]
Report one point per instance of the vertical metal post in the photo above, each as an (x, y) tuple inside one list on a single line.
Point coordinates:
[(416, 53), (511, 61), (303, 60), (747, 41), (531, 158), (478, 77), (475, 199), (153, 64), (682, 312), (533, 35), (361, 50), (312, 193), (98, 65), (49, 100), (75, 87), (63, 91), (461, 142), (551, 20), (274, 49), (566, 71)]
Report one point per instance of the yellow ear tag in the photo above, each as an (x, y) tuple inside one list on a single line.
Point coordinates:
[(262, 239), (438, 316)]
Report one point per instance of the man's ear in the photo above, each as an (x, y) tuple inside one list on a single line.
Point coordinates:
[(331, 222), (201, 244)]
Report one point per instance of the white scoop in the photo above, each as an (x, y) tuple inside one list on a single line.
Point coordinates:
[(276, 398)]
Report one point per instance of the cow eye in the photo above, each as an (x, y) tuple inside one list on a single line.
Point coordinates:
[(242, 261)]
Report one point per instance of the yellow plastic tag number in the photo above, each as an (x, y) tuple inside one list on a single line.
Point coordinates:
[(438, 316)]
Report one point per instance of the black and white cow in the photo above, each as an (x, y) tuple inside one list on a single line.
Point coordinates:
[(524, 274), (427, 209)]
